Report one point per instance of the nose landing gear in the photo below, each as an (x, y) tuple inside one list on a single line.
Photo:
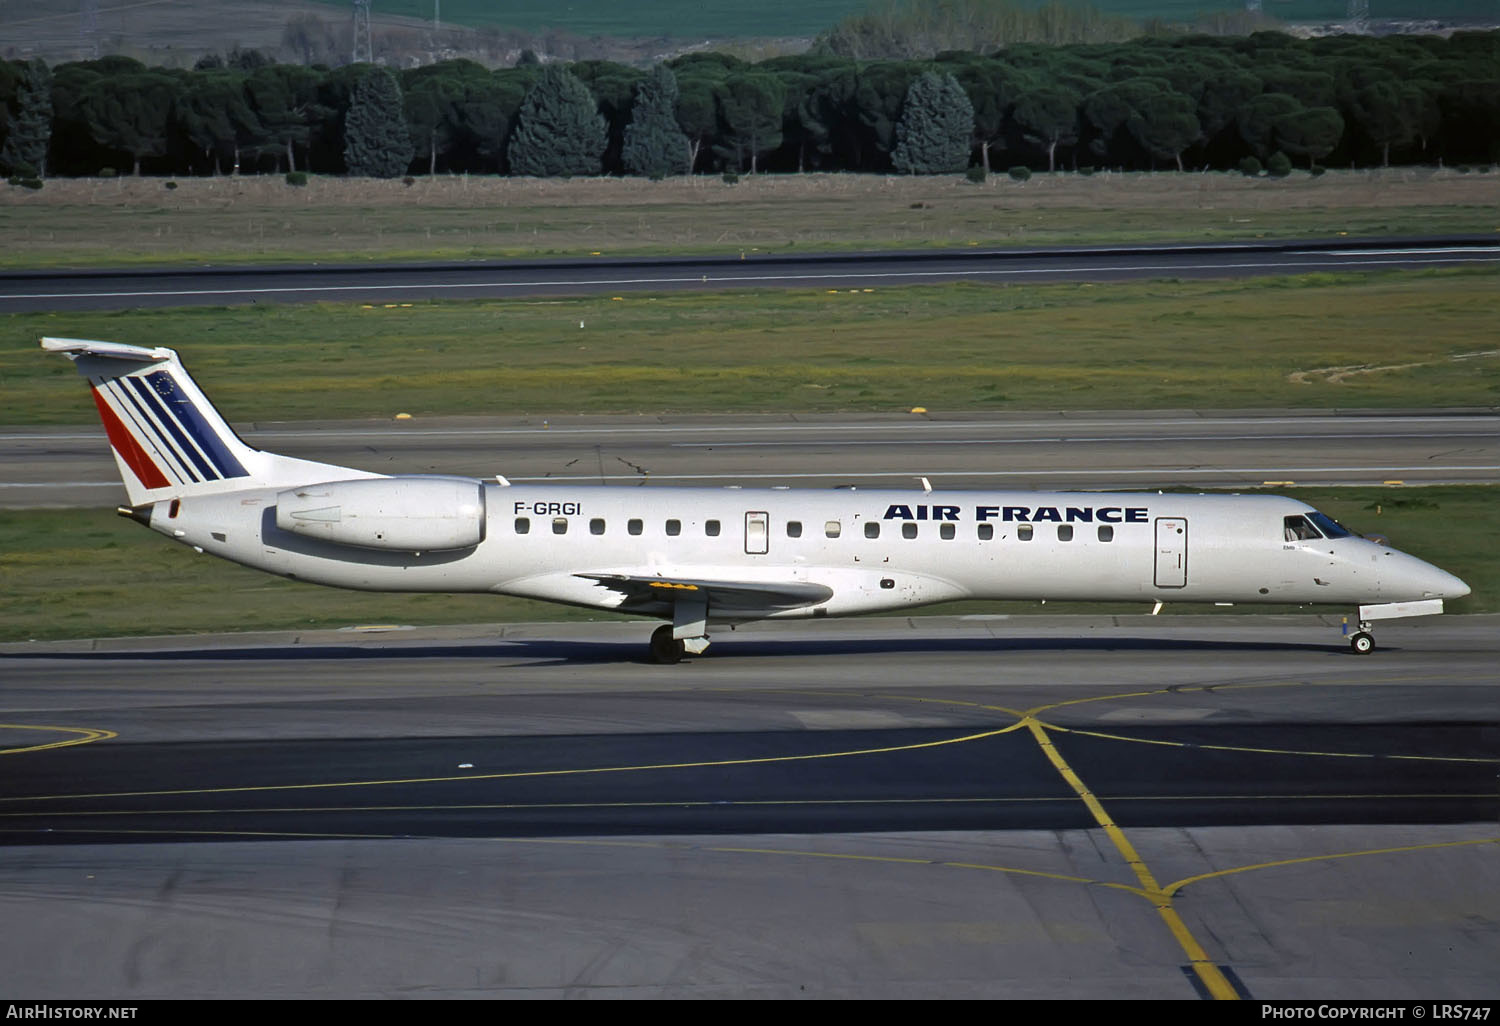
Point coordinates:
[(1361, 642)]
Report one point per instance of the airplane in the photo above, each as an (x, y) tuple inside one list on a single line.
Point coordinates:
[(703, 558)]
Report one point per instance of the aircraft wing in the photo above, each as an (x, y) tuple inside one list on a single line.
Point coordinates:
[(645, 592)]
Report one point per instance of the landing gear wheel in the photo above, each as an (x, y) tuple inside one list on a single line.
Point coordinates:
[(1362, 643), (665, 649)]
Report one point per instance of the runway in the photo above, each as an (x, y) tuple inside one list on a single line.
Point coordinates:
[(59, 467), (920, 807), (107, 289)]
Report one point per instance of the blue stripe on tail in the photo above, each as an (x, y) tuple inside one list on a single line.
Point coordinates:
[(149, 396), (193, 420)]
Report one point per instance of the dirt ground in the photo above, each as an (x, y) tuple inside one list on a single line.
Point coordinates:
[(1392, 187), (120, 221)]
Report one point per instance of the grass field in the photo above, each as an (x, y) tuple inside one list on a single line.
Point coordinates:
[(86, 573), (259, 219), (1377, 340)]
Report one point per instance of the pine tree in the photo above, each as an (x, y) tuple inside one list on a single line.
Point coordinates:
[(1048, 117), (654, 144), (559, 130), (750, 107), (30, 132), (936, 126), (376, 141), (132, 112)]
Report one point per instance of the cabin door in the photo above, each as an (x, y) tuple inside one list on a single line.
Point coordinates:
[(757, 533), (1171, 552)]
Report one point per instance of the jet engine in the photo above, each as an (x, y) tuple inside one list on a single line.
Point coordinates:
[(408, 514)]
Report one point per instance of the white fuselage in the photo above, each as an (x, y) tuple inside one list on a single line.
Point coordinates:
[(871, 550)]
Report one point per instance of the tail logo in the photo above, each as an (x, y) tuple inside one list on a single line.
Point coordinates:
[(159, 434)]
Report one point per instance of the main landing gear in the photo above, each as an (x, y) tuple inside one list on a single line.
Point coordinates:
[(688, 631), (666, 649), (669, 650)]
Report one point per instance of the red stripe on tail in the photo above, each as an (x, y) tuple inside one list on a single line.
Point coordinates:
[(130, 451)]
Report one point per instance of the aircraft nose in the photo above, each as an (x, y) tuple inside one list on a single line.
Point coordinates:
[(1438, 583), (1409, 579), (1452, 587)]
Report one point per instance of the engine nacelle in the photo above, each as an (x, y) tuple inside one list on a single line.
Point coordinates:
[(409, 514)]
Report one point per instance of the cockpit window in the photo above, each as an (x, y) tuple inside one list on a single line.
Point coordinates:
[(1329, 526), (1297, 528)]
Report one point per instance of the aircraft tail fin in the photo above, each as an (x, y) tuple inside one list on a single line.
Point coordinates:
[(168, 439)]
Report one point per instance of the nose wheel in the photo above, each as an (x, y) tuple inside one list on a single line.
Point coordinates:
[(1362, 642)]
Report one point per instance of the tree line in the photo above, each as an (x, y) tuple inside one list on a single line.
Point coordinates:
[(1186, 102)]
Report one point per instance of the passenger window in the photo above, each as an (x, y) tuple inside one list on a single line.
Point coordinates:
[(674, 528), (908, 530), (523, 525), (634, 526), (1106, 533), (872, 529), (1024, 532), (596, 526), (1064, 532), (1296, 528), (947, 531), (794, 529), (986, 532), (831, 528), (711, 528), (559, 525)]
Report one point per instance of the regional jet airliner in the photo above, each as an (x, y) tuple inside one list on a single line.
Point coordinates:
[(701, 558)]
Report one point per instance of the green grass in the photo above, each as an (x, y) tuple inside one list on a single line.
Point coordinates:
[(89, 573), (1195, 344)]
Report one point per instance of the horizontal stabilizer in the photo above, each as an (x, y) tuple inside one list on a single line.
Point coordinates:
[(112, 350)]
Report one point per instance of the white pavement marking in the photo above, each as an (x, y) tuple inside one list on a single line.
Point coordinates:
[(733, 279)]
